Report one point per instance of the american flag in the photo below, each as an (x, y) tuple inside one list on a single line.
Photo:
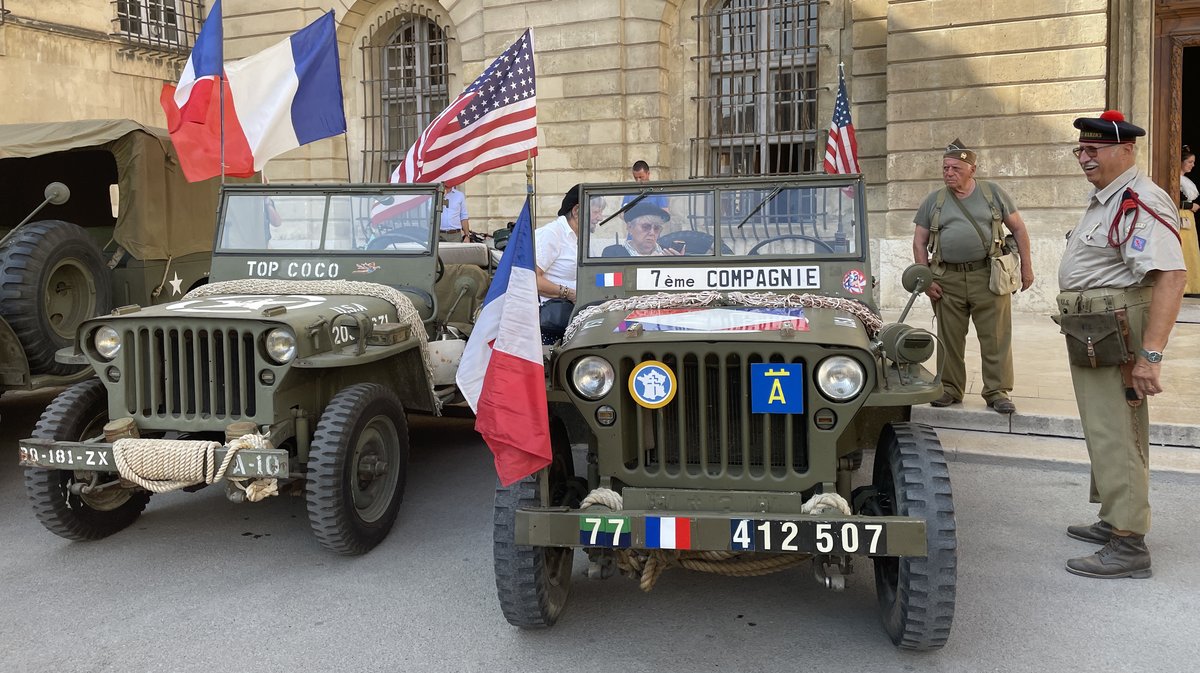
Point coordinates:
[(841, 152), (492, 123)]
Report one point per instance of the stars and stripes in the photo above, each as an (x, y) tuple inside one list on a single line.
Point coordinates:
[(841, 152), (492, 123)]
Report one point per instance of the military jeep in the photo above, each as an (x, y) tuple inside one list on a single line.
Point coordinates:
[(124, 227), (725, 368), (294, 367)]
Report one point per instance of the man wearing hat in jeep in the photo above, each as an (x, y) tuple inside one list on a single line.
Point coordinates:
[(1123, 266), (954, 235)]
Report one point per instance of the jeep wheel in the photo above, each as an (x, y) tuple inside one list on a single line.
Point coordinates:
[(356, 469), (916, 595), (52, 278), (79, 413), (533, 582)]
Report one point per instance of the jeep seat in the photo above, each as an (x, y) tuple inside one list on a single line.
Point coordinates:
[(463, 253)]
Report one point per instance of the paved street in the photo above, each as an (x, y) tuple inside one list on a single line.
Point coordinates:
[(200, 584)]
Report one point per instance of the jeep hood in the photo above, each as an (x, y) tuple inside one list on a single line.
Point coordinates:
[(299, 312), (721, 323)]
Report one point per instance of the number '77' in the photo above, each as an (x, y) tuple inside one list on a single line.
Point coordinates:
[(597, 522)]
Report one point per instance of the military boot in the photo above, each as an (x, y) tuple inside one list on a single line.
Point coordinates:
[(1098, 532), (1121, 556)]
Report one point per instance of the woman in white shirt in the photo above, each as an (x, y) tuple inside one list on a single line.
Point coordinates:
[(556, 249)]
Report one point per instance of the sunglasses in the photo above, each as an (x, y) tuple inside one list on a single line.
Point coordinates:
[(1092, 152), (656, 228)]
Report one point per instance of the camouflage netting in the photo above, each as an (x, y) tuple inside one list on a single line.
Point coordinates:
[(405, 311), (647, 566), (872, 322)]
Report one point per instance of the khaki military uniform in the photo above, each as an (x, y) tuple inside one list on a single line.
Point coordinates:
[(1094, 277), (965, 293)]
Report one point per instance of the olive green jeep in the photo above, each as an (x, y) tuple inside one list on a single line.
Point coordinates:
[(120, 225), (329, 315), (725, 368)]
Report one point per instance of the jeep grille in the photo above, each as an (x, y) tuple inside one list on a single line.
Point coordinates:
[(189, 372), (707, 430)]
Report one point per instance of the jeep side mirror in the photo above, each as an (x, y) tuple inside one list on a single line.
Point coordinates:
[(916, 279), (901, 343), (56, 193)]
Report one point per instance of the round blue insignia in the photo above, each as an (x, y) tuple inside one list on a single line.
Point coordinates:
[(652, 384)]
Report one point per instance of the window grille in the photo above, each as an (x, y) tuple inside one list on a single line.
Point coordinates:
[(405, 87), (168, 25), (756, 113)]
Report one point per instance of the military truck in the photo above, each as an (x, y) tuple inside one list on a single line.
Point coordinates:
[(726, 369), (323, 324), (124, 227)]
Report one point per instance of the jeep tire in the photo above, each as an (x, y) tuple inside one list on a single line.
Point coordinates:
[(52, 278), (357, 467), (916, 595), (78, 413)]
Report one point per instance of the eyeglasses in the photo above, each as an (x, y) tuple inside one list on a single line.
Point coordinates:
[(646, 228), (1092, 152)]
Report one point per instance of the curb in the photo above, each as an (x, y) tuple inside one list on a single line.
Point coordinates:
[(1161, 434), (1055, 453)]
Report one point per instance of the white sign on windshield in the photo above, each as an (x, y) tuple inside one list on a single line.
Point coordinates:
[(731, 278)]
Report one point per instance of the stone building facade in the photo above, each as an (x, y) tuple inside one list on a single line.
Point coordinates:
[(693, 87)]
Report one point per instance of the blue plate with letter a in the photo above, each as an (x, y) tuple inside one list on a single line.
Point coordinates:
[(777, 388)]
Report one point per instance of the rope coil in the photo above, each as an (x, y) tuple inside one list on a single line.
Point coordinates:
[(165, 465)]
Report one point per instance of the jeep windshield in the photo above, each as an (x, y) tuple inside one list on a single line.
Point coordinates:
[(811, 217), (364, 220)]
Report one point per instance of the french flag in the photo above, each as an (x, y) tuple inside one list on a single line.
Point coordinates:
[(202, 73), (668, 532), (500, 373), (283, 97)]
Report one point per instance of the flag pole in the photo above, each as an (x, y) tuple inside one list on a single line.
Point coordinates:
[(221, 125)]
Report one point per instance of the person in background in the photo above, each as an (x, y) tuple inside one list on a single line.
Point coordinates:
[(953, 235), (456, 224), (641, 171), (556, 250), (1187, 216), (645, 223), (1124, 256)]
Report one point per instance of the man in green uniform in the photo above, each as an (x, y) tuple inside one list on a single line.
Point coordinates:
[(954, 234), (1124, 256)]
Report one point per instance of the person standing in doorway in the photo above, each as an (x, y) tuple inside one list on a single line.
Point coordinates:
[(456, 224)]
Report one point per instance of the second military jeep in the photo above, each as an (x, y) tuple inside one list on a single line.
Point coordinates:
[(329, 316), (726, 367)]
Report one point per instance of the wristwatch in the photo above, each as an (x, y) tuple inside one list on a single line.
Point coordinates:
[(1153, 357)]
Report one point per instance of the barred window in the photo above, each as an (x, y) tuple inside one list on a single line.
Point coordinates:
[(405, 88), (756, 114), (170, 25)]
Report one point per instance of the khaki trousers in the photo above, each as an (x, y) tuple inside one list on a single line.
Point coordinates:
[(1117, 438), (965, 296)]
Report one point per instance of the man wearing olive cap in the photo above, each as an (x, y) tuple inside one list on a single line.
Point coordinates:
[(1124, 257), (955, 235)]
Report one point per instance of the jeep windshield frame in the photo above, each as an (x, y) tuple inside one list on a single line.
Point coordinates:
[(795, 218)]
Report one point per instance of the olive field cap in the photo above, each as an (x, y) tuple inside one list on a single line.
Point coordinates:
[(1110, 127), (570, 200), (957, 150)]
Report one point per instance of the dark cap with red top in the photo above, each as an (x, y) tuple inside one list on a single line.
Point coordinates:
[(1110, 127)]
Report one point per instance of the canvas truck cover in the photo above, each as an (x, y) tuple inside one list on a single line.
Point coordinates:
[(160, 213)]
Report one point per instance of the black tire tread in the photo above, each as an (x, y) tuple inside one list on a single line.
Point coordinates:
[(32, 251), (922, 618), (329, 514), (61, 421)]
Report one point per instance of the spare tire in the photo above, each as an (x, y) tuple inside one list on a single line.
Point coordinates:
[(52, 278)]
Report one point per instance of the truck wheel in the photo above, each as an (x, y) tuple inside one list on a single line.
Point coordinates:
[(916, 595), (533, 582), (78, 413), (52, 278), (356, 469)]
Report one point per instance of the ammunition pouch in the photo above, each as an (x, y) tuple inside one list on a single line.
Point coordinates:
[(1096, 339)]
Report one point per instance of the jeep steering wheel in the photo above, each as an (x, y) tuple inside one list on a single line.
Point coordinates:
[(790, 237), (392, 238)]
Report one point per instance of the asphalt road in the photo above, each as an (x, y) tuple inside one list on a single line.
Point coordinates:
[(201, 584)]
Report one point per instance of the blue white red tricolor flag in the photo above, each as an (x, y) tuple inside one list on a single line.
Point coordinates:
[(202, 72), (492, 123), (668, 532), (281, 98), (501, 374), (841, 151)]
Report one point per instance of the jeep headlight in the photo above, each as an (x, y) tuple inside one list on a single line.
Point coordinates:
[(841, 378), (281, 345), (592, 377), (107, 342)]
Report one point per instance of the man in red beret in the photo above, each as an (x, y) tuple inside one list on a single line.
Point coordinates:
[(1122, 271)]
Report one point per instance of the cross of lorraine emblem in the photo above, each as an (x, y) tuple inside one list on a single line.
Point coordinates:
[(962, 155)]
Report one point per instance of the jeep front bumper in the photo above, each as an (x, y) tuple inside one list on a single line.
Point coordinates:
[(98, 457)]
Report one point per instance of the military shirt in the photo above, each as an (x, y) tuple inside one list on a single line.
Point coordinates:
[(958, 242), (1090, 262)]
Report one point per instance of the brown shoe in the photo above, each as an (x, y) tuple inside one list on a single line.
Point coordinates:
[(944, 401), (1003, 405), (1122, 556), (1098, 532)]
